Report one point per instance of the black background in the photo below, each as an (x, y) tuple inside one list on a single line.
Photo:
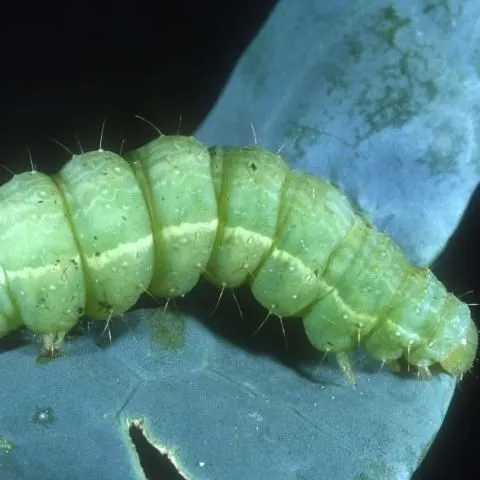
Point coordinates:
[(65, 68)]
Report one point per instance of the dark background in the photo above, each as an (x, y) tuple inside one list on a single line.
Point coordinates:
[(66, 68)]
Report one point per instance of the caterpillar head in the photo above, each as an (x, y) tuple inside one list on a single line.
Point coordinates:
[(462, 357), (453, 344)]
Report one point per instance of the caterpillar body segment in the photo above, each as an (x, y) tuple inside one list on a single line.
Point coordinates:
[(246, 230), (110, 222), (92, 238), (43, 279), (175, 176)]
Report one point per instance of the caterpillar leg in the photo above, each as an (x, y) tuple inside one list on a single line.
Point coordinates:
[(345, 366), (52, 345), (424, 373)]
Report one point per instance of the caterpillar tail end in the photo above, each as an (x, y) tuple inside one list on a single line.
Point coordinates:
[(346, 368)]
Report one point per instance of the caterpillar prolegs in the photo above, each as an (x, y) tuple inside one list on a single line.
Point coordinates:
[(104, 229)]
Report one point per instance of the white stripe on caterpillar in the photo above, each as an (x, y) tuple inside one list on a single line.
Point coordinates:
[(97, 262), (95, 236), (189, 228)]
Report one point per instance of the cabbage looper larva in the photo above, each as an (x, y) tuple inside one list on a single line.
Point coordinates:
[(92, 238)]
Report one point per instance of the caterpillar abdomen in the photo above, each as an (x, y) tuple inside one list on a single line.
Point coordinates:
[(104, 229)]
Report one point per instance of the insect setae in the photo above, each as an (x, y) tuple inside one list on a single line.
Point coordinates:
[(104, 229)]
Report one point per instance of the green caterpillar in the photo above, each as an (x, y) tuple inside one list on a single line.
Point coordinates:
[(103, 230)]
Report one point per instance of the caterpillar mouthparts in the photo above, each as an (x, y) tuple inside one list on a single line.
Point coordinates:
[(103, 230)]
